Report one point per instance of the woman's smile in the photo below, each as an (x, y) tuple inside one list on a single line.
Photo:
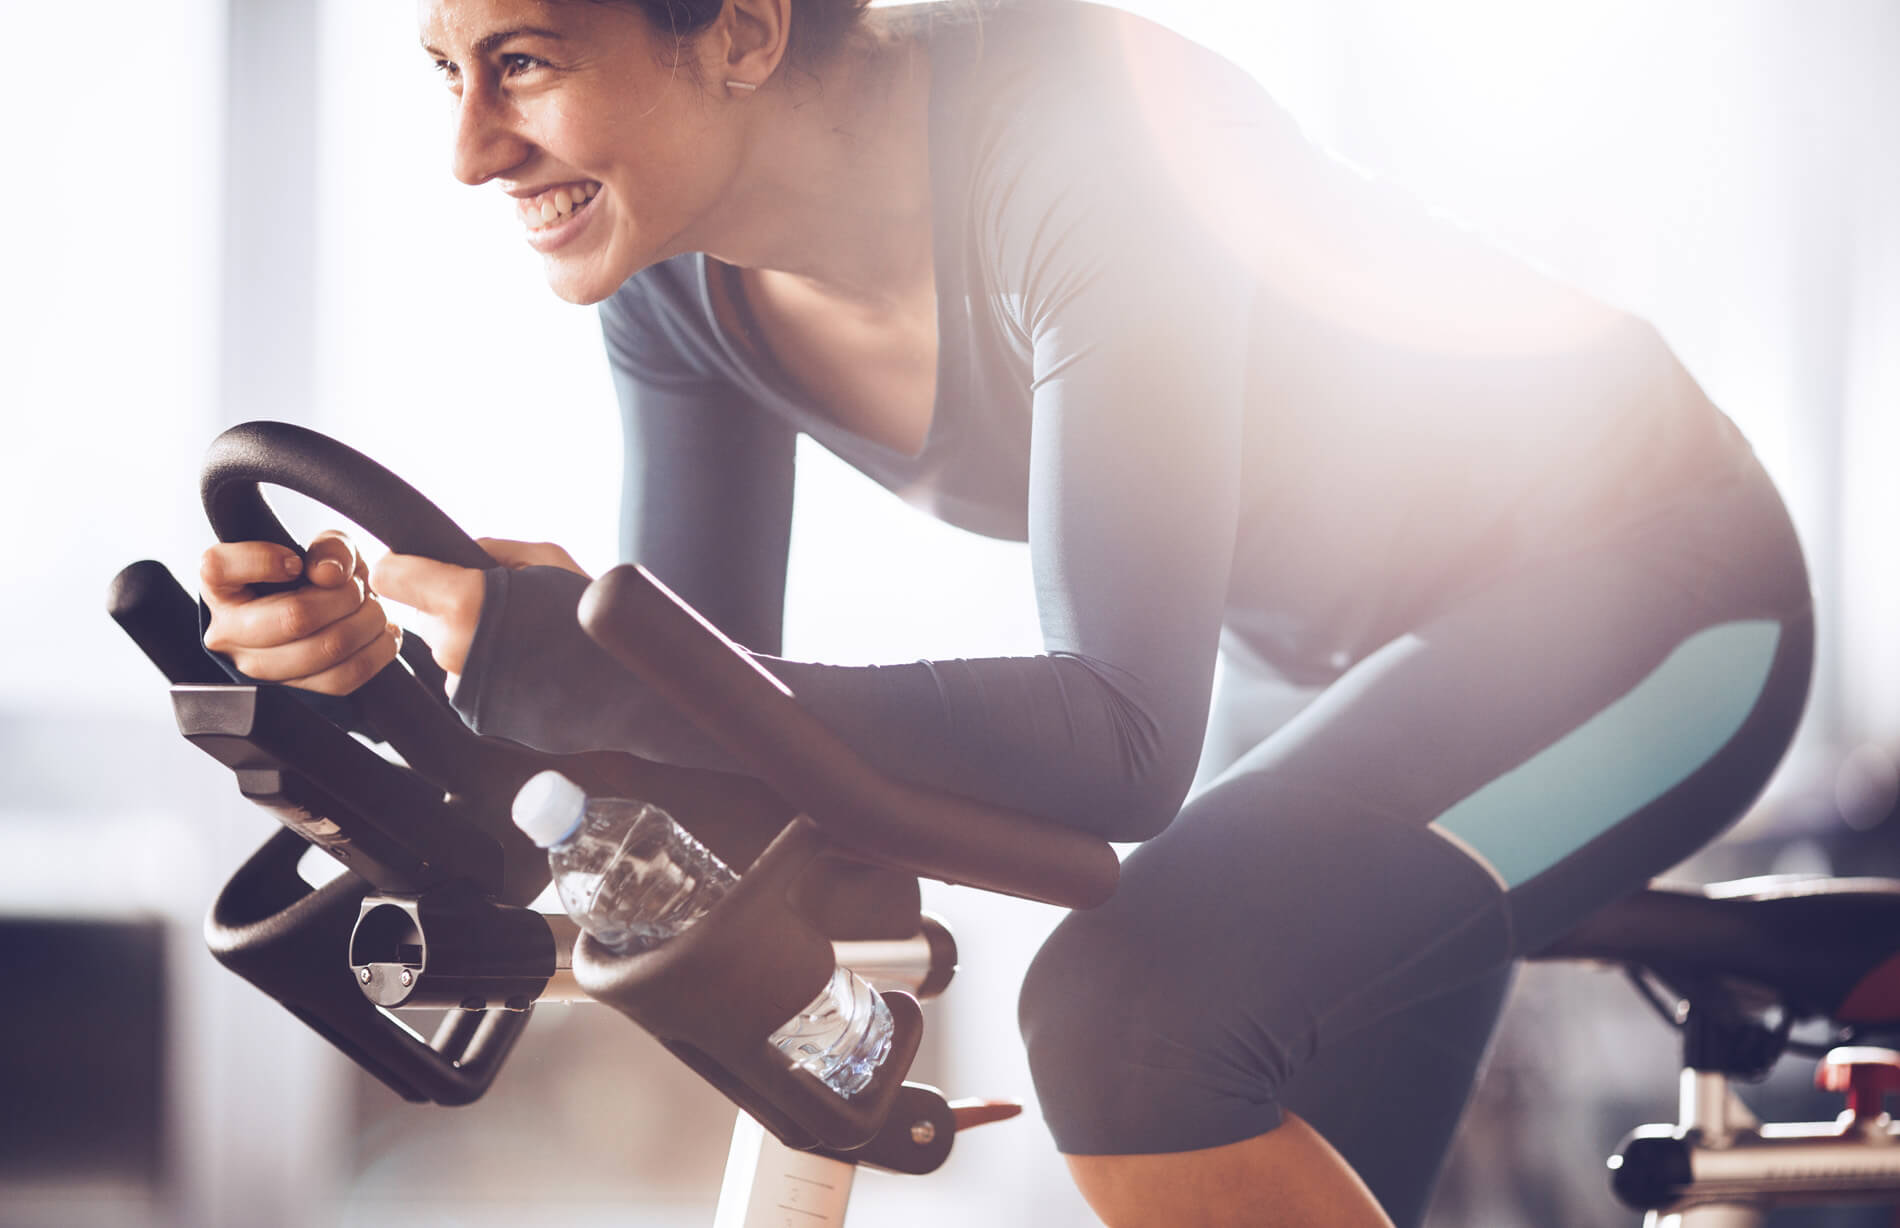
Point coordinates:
[(555, 216), (560, 105)]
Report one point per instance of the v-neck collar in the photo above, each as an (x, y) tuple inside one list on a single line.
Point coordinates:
[(770, 377)]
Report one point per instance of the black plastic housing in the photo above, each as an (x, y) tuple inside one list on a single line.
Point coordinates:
[(1651, 1168), (450, 947), (899, 1146), (386, 823), (409, 832), (434, 834), (275, 931)]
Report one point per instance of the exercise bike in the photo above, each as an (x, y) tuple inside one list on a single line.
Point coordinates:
[(431, 908)]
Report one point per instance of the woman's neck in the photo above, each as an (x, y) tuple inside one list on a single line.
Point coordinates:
[(835, 187)]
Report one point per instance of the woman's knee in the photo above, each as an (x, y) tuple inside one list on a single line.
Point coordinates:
[(1075, 1034), (1126, 1061), (1066, 1014)]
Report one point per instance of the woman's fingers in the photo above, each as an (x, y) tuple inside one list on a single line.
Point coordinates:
[(332, 635), (339, 658), (327, 635), (449, 597), (529, 554), (228, 569), (333, 561), (290, 637), (278, 619)]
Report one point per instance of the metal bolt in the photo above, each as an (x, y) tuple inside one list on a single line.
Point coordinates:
[(922, 1132), (362, 974), (407, 977)]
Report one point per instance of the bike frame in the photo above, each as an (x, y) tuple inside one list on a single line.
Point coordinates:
[(1741, 1168), (1719, 1166)]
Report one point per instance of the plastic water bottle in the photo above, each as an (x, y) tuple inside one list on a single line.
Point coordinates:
[(633, 877)]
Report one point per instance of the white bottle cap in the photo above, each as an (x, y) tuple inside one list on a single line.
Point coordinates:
[(549, 808)]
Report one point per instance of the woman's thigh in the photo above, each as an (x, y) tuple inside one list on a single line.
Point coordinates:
[(1457, 799)]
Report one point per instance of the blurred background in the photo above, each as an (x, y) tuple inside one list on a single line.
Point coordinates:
[(255, 220)]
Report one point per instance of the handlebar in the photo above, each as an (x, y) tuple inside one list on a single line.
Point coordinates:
[(431, 908)]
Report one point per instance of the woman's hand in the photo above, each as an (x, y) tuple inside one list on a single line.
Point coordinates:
[(330, 635), (450, 597)]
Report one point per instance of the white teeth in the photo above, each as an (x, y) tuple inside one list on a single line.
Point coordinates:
[(551, 207)]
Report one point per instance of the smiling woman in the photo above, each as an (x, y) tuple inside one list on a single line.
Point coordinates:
[(581, 101), (1054, 274), (613, 108)]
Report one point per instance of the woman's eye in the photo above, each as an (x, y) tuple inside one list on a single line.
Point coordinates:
[(448, 70), (514, 64)]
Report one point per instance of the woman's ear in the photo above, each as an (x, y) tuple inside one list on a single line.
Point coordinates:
[(753, 37)]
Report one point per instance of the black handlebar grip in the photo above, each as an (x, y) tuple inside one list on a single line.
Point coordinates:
[(429, 736), (162, 619), (332, 473), (753, 715)]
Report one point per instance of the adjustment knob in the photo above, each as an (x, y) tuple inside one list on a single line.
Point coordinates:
[(1867, 1075), (1652, 1168)]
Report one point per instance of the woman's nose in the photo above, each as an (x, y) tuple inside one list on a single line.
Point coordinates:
[(486, 144)]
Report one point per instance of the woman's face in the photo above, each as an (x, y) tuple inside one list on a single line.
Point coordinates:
[(577, 111)]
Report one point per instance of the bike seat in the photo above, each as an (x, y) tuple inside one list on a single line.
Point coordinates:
[(1826, 947)]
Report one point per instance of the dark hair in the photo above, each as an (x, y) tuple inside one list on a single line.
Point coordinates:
[(818, 26)]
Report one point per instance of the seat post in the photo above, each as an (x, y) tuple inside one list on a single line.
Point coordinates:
[(768, 1184), (1710, 1107), (1710, 1112)]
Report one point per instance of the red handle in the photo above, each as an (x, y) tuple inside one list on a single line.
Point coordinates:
[(1867, 1075)]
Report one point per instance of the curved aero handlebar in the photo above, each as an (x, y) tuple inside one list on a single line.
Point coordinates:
[(432, 908), (333, 474), (429, 736), (672, 649)]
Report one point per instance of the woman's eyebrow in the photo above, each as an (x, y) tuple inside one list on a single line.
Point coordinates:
[(489, 42)]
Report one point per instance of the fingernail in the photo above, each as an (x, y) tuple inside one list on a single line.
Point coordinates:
[(329, 571), (292, 565)]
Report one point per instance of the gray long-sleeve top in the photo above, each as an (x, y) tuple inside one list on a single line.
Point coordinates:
[(1214, 377)]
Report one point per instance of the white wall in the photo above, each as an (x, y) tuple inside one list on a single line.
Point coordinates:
[(108, 285)]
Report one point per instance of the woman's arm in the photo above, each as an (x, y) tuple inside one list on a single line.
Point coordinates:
[(1137, 325), (706, 505), (1137, 328), (706, 491)]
